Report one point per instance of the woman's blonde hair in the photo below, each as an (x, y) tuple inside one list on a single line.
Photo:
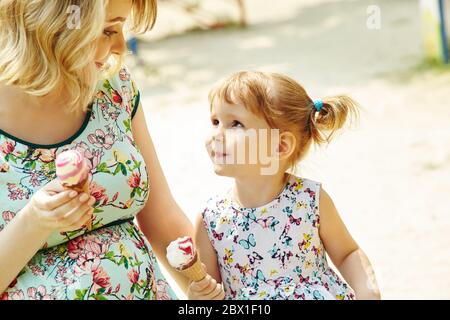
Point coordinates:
[(285, 105), (40, 50)]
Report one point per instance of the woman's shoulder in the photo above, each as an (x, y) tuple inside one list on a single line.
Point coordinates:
[(120, 89)]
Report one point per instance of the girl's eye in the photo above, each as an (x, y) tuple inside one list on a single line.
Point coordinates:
[(215, 122), (237, 124)]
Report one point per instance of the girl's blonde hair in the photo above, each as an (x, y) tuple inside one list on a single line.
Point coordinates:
[(285, 105), (39, 50)]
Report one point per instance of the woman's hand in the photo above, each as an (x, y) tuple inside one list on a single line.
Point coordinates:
[(54, 208), (206, 289)]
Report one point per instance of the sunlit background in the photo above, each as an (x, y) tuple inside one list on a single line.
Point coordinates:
[(389, 176)]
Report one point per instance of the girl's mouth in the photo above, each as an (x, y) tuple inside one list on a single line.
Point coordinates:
[(219, 155)]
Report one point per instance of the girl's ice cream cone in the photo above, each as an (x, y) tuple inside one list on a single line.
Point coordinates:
[(73, 172), (183, 257)]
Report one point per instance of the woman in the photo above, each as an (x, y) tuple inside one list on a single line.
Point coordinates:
[(52, 56)]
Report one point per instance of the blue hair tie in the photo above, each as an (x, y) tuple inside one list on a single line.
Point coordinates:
[(318, 104)]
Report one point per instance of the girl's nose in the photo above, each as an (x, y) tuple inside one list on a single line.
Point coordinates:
[(217, 134)]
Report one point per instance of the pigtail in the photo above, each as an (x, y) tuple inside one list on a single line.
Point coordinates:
[(332, 115)]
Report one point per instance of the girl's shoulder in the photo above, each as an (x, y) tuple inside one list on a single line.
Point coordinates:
[(215, 204), (301, 184)]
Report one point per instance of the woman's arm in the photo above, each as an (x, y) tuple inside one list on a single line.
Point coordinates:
[(19, 242), (161, 220), (345, 253), (50, 209), (207, 254)]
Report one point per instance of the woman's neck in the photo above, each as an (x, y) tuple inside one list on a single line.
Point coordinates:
[(258, 191), (21, 101)]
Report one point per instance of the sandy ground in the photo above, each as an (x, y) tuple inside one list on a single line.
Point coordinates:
[(389, 176)]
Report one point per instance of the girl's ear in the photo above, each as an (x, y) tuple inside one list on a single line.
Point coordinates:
[(286, 145)]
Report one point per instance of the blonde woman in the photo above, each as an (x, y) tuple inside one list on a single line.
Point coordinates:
[(54, 96)]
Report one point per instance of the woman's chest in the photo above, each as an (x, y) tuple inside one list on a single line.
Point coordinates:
[(44, 128), (118, 175)]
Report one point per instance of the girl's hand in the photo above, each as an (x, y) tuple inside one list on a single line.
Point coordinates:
[(206, 289), (54, 208)]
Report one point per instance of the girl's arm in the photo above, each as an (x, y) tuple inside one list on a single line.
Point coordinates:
[(345, 253), (161, 220), (207, 254), (210, 287)]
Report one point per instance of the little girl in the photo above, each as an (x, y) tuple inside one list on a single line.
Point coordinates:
[(267, 237)]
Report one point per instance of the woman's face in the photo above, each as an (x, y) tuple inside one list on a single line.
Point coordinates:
[(112, 41)]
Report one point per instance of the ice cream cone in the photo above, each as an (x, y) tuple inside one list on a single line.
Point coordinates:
[(83, 187), (73, 171), (194, 271), (182, 256)]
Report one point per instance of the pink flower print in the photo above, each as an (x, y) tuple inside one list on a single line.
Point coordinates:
[(86, 263), (15, 193), (101, 140), (141, 244), (100, 278), (34, 179), (45, 155), (38, 294), (17, 295), (98, 192), (124, 75), (133, 275), (75, 247), (161, 291), (8, 216), (134, 180), (96, 247), (50, 261), (8, 147), (128, 109), (91, 247), (94, 156), (36, 270), (114, 115), (116, 97)]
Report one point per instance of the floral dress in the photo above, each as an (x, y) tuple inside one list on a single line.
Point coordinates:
[(273, 252), (114, 260)]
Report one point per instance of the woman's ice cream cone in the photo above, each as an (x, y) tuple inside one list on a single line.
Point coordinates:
[(73, 172)]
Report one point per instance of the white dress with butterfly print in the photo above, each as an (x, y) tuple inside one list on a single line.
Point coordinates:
[(274, 251)]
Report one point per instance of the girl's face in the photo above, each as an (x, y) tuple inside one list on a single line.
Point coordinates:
[(240, 143), (112, 41)]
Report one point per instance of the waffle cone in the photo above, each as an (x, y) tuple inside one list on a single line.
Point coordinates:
[(195, 271), (83, 186)]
